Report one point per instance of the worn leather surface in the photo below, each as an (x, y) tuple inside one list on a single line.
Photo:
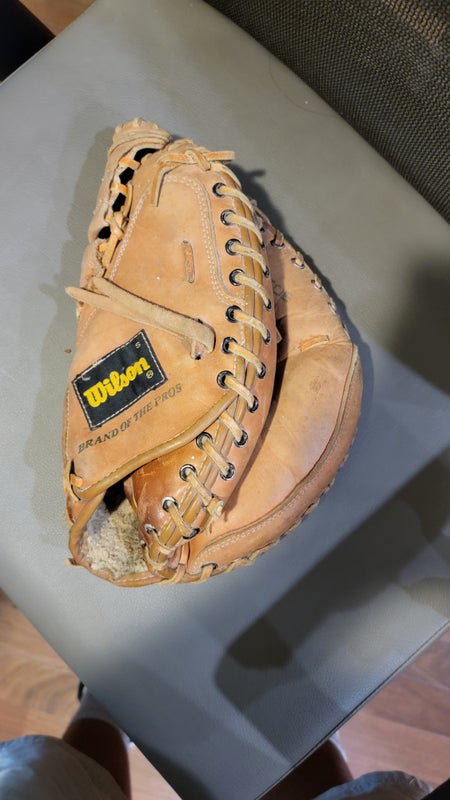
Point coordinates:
[(226, 685), (166, 226)]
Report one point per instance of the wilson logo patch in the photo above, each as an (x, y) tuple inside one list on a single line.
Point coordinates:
[(118, 380)]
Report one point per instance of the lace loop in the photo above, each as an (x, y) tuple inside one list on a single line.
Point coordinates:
[(298, 260), (240, 436), (206, 443), (240, 278), (230, 217), (236, 314), (250, 252), (230, 345), (170, 505), (228, 380), (189, 474)]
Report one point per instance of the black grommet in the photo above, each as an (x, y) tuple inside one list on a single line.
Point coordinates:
[(233, 277), (200, 437), (224, 216), (185, 469), (229, 313), (221, 378), (226, 343), (243, 440), (193, 532), (254, 405), (216, 188), (268, 305), (262, 372), (168, 501), (267, 338), (228, 246), (226, 476), (150, 528)]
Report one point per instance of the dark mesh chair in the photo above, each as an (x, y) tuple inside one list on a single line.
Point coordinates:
[(383, 64)]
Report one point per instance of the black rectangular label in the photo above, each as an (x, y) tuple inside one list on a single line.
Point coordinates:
[(118, 380)]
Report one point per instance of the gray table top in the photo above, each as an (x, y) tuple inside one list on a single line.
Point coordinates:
[(227, 685)]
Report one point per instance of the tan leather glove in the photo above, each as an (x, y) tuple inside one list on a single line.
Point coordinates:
[(225, 450)]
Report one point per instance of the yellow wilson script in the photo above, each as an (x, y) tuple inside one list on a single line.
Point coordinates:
[(115, 382)]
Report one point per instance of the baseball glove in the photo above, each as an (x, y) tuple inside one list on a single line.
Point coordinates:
[(129, 531), (172, 377)]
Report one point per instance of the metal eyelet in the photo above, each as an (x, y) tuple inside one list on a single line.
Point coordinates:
[(226, 476), (226, 344), (254, 406), (243, 440), (216, 188), (228, 246), (263, 371), (150, 528), (233, 277), (200, 437), (268, 305), (167, 501), (194, 532), (267, 339), (221, 378), (184, 471), (229, 313), (224, 216)]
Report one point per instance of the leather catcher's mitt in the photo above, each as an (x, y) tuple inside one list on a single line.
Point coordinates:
[(172, 378), (189, 479)]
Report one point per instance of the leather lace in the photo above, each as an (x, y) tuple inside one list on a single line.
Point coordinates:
[(110, 297)]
